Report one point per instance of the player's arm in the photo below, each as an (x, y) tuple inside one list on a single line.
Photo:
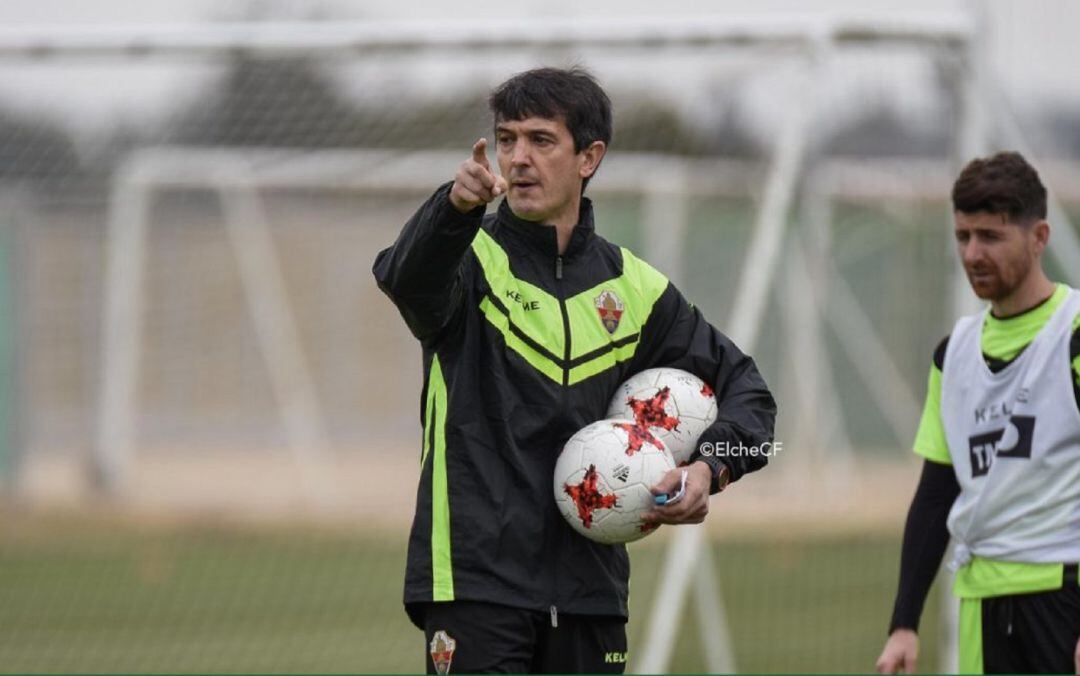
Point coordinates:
[(926, 536), (926, 533), (925, 539), (421, 271), (677, 335)]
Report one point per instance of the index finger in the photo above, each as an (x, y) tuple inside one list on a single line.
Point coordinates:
[(479, 153)]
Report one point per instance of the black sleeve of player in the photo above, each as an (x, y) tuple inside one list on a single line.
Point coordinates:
[(678, 336), (422, 271), (939, 353), (925, 538), (1074, 352)]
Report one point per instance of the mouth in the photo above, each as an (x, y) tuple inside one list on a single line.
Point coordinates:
[(523, 184)]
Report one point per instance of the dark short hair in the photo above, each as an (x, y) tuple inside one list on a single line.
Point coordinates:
[(572, 95), (1003, 184)]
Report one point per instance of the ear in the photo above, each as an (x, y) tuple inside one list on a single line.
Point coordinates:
[(1041, 233), (590, 158)]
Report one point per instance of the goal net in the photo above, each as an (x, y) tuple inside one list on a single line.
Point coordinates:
[(191, 216)]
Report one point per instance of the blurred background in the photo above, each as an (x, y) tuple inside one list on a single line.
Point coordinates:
[(209, 420)]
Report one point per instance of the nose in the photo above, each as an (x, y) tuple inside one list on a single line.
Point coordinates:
[(519, 155), (970, 252)]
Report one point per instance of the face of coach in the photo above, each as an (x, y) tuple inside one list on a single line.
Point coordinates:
[(552, 128), (1001, 231), (543, 170)]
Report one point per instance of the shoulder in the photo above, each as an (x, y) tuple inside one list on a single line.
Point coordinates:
[(1074, 342), (486, 242), (649, 282), (599, 246), (636, 267), (488, 225), (1072, 295), (633, 269)]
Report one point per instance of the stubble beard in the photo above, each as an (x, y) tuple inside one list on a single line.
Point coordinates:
[(1000, 283)]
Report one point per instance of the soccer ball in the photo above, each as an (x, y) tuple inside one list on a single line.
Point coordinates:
[(602, 480), (674, 406)]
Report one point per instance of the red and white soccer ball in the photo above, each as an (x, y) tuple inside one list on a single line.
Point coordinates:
[(602, 481), (673, 405)]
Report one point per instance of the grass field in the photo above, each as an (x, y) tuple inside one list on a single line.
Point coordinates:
[(104, 597)]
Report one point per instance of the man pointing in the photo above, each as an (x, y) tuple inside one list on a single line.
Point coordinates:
[(517, 358), (475, 185)]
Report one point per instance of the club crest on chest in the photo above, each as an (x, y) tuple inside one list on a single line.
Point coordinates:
[(610, 308)]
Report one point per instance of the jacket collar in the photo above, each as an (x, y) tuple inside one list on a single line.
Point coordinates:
[(541, 237)]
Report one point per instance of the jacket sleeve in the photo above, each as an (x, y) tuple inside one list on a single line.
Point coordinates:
[(926, 535), (677, 335), (422, 271)]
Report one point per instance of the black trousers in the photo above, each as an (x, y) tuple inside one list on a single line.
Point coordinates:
[(473, 637), (1031, 633)]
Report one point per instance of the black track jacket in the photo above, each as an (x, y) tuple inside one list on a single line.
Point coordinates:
[(522, 347)]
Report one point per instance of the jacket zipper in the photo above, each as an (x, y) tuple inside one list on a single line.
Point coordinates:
[(566, 329), (565, 395)]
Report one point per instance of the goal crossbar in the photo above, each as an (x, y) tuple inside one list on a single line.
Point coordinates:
[(937, 29)]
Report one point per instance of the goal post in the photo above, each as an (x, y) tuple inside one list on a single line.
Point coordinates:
[(9, 372), (264, 289)]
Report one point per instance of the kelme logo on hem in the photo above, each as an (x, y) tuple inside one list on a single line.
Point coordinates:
[(616, 657), (610, 308), (442, 652)]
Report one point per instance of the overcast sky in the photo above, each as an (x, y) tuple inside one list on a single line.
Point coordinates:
[(1033, 44)]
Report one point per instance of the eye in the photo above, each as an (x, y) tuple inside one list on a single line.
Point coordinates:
[(962, 237)]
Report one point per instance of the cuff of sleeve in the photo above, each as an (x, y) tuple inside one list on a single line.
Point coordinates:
[(455, 220), (895, 624), (721, 473), (904, 618), (706, 451)]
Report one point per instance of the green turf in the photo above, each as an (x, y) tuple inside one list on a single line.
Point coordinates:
[(808, 605), (204, 600)]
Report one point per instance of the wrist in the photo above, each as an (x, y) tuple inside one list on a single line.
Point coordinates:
[(900, 627), (458, 204), (457, 213), (722, 478), (719, 473), (703, 470)]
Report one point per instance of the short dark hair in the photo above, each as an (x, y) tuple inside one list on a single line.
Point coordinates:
[(571, 94), (1003, 184)]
